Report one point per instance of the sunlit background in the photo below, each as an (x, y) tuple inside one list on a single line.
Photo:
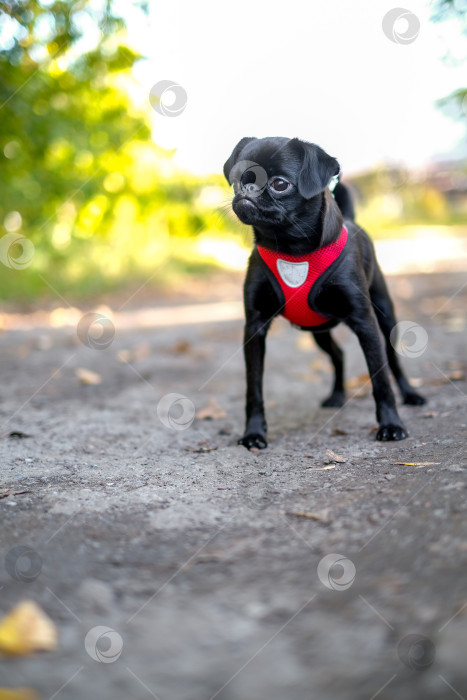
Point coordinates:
[(104, 189)]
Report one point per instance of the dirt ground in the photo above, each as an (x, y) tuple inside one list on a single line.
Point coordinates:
[(206, 566)]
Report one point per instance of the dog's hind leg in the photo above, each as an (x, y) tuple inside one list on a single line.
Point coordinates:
[(327, 343), (384, 311)]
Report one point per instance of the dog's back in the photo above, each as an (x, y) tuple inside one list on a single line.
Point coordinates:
[(344, 201)]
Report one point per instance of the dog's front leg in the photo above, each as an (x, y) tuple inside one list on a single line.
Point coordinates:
[(365, 327), (254, 345)]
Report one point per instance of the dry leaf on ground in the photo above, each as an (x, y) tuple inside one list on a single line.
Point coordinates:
[(203, 446), (27, 629), (339, 431), (140, 352), (182, 347), (320, 515), (417, 464), (454, 376), (86, 376), (331, 456), (354, 382), (18, 694), (212, 410), (321, 469), (360, 386), (4, 493)]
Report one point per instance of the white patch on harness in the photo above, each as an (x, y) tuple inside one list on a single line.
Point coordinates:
[(293, 274)]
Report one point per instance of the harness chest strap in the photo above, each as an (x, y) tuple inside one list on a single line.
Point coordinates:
[(296, 276)]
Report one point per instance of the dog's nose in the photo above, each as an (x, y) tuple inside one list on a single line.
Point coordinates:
[(248, 203)]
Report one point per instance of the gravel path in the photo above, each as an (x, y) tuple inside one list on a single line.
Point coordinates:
[(211, 565)]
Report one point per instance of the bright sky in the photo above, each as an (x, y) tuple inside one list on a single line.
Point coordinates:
[(323, 71)]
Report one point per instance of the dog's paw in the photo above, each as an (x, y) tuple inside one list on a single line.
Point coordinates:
[(411, 398), (391, 432), (253, 440), (335, 400)]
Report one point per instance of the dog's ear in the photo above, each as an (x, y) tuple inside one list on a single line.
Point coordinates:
[(317, 168), (230, 162), (331, 219)]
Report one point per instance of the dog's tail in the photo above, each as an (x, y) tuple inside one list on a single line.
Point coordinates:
[(344, 201)]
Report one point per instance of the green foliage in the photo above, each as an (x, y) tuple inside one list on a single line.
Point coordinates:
[(455, 104), (82, 179), (392, 198), (447, 9), (94, 194)]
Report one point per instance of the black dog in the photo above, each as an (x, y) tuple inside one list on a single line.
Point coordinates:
[(314, 265)]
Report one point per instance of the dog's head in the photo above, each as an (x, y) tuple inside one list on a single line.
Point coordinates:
[(281, 188)]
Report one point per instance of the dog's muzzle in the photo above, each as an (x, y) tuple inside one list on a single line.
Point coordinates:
[(246, 209)]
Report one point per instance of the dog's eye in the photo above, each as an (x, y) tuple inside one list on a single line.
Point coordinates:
[(280, 185)]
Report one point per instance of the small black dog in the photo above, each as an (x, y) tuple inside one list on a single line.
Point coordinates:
[(314, 265)]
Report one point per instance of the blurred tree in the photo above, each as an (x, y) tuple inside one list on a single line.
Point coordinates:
[(63, 118), (80, 175), (455, 11)]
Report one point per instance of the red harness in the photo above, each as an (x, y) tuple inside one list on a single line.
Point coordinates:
[(297, 275)]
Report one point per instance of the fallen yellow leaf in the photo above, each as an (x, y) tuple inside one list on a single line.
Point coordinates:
[(140, 352), (27, 629), (357, 381), (18, 694), (320, 469), (86, 376), (417, 464), (212, 410), (320, 515), (331, 456)]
